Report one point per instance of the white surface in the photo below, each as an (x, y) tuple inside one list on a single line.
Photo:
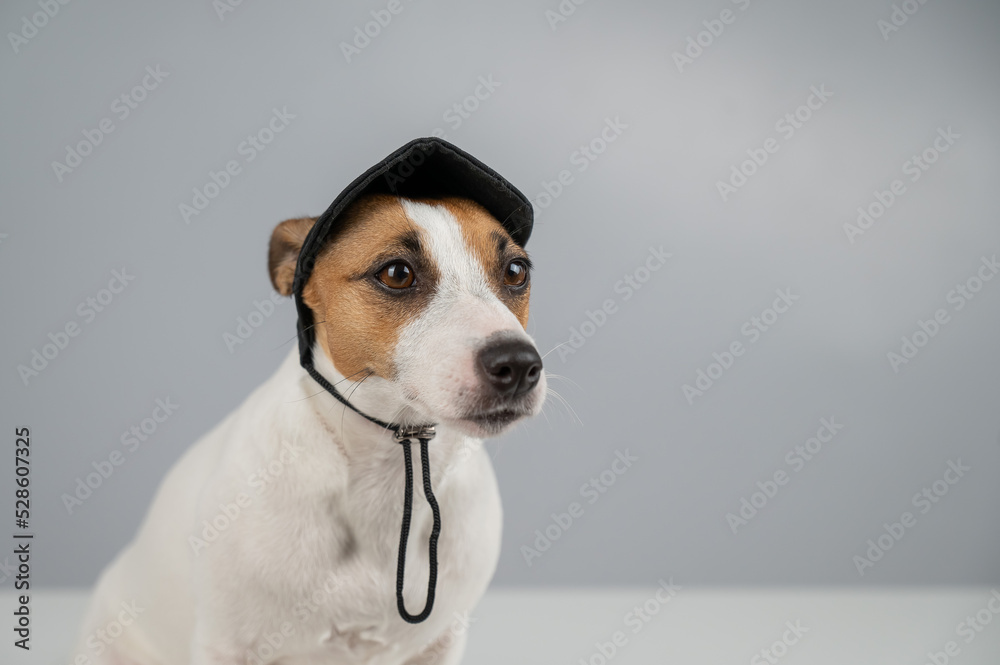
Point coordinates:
[(696, 626)]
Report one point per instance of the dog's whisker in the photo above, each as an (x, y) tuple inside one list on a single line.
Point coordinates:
[(358, 384), (296, 336), (560, 399), (397, 413), (560, 377), (351, 389), (323, 391), (498, 447), (347, 377), (306, 397), (564, 402), (554, 348), (339, 403)]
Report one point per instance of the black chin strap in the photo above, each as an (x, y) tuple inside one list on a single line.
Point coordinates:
[(404, 531), (405, 435)]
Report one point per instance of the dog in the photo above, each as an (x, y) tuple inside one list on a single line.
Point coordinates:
[(274, 539)]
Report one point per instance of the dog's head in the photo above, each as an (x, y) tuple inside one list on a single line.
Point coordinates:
[(428, 298)]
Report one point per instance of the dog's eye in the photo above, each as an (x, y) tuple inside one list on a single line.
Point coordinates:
[(516, 273), (396, 275)]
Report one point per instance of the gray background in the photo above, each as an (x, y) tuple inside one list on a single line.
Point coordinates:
[(655, 185)]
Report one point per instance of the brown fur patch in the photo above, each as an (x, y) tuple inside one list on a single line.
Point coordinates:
[(357, 319), (490, 243)]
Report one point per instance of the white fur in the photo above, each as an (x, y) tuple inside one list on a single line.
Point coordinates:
[(303, 572), (436, 352)]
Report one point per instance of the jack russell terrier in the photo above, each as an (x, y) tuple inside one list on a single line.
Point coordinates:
[(279, 537)]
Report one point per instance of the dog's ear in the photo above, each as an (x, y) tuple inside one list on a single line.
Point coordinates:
[(283, 253)]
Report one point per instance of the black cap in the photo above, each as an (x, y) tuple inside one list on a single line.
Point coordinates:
[(423, 168)]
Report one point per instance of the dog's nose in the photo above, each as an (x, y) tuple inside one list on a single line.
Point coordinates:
[(511, 367)]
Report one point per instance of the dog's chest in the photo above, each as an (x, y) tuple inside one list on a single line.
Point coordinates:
[(347, 585)]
